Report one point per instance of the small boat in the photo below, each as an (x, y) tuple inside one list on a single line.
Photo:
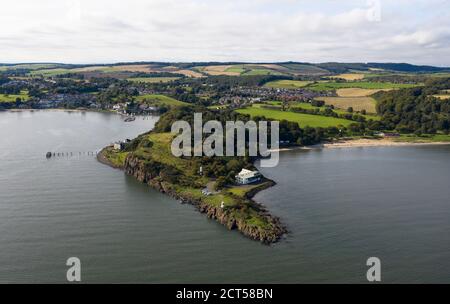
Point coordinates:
[(130, 119), (48, 155)]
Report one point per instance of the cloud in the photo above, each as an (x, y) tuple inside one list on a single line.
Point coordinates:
[(87, 31)]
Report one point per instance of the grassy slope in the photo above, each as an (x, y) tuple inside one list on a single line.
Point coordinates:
[(12, 98), (357, 103), (153, 79), (308, 106), (236, 69), (287, 84), (302, 119), (327, 86), (160, 100)]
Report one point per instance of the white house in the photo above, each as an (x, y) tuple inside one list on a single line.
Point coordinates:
[(117, 107), (247, 177), (120, 145)]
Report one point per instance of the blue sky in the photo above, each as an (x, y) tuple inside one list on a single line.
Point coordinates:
[(91, 31)]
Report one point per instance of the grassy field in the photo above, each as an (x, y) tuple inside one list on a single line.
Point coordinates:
[(302, 119), (228, 70), (259, 71), (357, 103), (153, 79), (327, 86), (237, 69), (308, 106), (218, 107), (442, 96), (287, 84), (349, 76), (357, 92), (51, 72), (160, 100), (13, 97)]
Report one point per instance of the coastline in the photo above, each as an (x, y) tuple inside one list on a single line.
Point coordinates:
[(362, 143), (62, 110), (365, 142), (228, 218)]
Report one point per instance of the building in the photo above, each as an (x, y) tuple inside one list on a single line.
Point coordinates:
[(120, 145), (383, 134), (247, 177)]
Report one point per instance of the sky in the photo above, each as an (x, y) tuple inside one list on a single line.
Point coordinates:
[(108, 31)]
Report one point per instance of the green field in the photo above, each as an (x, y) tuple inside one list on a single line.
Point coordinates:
[(153, 79), (51, 72), (308, 106), (287, 84), (236, 69), (32, 66), (160, 100), (302, 119), (327, 86), (13, 97), (256, 72), (357, 103)]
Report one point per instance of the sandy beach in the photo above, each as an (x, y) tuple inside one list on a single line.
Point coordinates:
[(364, 142), (360, 143)]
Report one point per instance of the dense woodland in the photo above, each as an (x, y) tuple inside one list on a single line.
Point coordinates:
[(416, 110)]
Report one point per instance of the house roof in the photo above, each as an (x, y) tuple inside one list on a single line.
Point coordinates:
[(247, 173)]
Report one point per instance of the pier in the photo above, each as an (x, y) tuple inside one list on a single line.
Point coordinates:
[(49, 155)]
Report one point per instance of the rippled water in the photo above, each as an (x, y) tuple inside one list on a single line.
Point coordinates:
[(341, 206)]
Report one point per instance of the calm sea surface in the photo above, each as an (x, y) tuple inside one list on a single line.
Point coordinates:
[(342, 206)]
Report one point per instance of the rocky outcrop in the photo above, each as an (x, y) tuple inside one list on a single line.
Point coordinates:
[(229, 217)]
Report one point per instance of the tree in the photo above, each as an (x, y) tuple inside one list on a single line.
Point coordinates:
[(221, 182)]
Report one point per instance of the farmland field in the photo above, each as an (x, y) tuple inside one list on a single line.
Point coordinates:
[(304, 69), (308, 106), (189, 73), (227, 70), (259, 71), (153, 79), (160, 100), (357, 103), (442, 96), (356, 92), (236, 69), (349, 76), (13, 97), (302, 119), (51, 72), (287, 84), (326, 86), (31, 66)]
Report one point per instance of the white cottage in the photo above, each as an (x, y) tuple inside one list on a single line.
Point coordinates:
[(247, 177)]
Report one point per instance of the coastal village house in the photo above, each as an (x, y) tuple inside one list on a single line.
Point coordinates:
[(120, 145), (247, 177)]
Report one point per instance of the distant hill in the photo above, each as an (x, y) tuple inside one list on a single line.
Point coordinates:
[(201, 69)]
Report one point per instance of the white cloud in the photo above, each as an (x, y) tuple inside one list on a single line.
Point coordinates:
[(85, 31)]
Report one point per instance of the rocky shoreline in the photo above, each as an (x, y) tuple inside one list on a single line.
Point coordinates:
[(134, 167)]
